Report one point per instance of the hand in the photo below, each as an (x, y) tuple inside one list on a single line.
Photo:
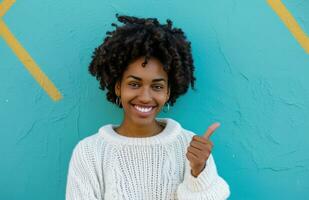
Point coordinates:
[(200, 149)]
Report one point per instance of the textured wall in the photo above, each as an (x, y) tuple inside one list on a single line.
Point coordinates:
[(252, 76)]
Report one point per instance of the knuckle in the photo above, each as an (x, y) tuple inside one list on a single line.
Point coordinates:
[(195, 137), (201, 162), (205, 155)]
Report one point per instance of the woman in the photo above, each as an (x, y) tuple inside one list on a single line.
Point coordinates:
[(144, 65)]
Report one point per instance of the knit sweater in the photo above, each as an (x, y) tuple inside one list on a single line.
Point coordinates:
[(109, 166)]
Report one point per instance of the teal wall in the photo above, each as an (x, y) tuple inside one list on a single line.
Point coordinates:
[(252, 76)]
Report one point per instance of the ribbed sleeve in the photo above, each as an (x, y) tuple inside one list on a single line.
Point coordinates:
[(208, 185), (82, 182)]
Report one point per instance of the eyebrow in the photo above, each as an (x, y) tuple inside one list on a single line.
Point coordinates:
[(154, 80)]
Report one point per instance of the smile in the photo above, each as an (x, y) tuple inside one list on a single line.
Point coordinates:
[(143, 109)]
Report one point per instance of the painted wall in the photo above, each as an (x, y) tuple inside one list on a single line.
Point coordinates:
[(252, 76)]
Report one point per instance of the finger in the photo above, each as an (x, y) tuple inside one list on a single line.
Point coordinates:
[(200, 139), (198, 153), (201, 146), (211, 129), (192, 158)]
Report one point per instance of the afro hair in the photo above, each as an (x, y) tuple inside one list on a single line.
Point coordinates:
[(143, 37)]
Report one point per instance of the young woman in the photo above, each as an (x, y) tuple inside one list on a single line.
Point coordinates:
[(145, 66)]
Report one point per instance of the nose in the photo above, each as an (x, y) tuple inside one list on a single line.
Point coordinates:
[(145, 95)]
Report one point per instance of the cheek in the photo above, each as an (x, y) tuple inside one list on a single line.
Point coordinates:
[(127, 97), (162, 99), (127, 94)]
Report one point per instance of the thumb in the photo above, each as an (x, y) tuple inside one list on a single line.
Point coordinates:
[(211, 129)]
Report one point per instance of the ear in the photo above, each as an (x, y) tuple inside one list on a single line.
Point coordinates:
[(117, 88)]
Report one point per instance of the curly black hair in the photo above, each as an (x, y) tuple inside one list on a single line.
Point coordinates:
[(143, 37)]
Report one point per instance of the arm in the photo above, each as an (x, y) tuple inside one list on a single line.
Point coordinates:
[(82, 183), (208, 185)]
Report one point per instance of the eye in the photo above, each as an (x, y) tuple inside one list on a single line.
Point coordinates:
[(134, 84), (158, 87)]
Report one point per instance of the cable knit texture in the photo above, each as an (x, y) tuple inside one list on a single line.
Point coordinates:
[(110, 166)]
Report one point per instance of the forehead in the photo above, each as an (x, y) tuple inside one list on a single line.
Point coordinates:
[(152, 70)]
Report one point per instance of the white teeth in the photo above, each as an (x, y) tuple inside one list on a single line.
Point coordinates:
[(141, 109)]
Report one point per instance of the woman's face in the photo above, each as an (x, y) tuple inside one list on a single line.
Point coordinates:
[(143, 91)]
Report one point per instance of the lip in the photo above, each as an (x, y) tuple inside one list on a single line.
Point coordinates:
[(143, 114)]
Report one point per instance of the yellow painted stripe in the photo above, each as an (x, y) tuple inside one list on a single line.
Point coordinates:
[(29, 63), (290, 23), (5, 6)]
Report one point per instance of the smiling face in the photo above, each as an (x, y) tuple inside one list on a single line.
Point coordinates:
[(143, 91)]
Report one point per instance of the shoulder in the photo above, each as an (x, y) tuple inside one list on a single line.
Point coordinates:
[(89, 142), (92, 139), (89, 145), (186, 134)]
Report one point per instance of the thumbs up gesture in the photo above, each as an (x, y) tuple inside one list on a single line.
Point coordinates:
[(200, 149)]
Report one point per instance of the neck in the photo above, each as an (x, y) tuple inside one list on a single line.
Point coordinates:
[(135, 130)]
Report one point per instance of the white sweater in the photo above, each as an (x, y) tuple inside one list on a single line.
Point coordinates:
[(110, 166)]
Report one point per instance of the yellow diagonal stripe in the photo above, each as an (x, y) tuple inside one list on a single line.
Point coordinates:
[(5, 6), (290, 23), (29, 63), (24, 56)]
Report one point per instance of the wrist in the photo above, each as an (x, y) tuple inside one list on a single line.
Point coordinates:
[(196, 172)]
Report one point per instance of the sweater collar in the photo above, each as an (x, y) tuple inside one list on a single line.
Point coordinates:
[(170, 131)]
